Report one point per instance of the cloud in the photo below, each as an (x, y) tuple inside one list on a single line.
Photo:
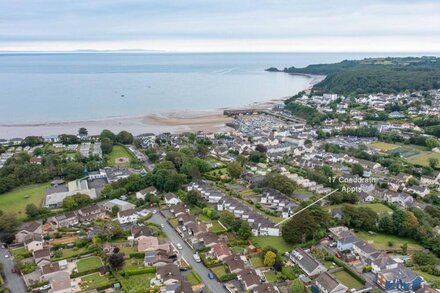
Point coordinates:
[(239, 25)]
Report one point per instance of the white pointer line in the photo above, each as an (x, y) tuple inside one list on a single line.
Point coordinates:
[(303, 209)]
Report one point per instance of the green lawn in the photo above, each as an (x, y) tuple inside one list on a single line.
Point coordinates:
[(173, 222), (422, 159), (383, 146), (377, 207), (346, 279), (428, 277), (93, 281), (270, 277), (120, 152), (133, 263), (380, 241), (257, 261), (193, 278), (274, 241), (16, 200), (20, 253), (137, 283), (216, 227), (70, 252), (88, 263), (219, 271)]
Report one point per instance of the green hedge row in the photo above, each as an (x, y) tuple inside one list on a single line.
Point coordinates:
[(137, 255), (80, 274), (134, 272), (228, 277)]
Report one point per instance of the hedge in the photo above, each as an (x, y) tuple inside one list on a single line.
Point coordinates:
[(287, 271), (134, 272), (137, 255), (346, 268), (228, 277), (80, 274)]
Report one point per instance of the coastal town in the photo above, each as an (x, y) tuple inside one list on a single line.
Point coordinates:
[(322, 193)]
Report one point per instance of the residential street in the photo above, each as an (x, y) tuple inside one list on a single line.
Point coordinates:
[(187, 253), (13, 281)]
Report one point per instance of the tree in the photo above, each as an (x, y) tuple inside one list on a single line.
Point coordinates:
[(257, 157), (125, 137), (245, 230), (116, 260), (107, 134), (280, 183), (261, 148), (433, 162), (431, 142), (298, 286), (269, 258), (7, 238), (235, 169), (357, 169), (32, 211), (8, 222), (106, 145), (83, 131), (115, 211), (300, 228), (74, 170), (404, 248)]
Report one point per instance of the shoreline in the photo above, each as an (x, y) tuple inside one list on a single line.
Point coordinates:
[(175, 122)]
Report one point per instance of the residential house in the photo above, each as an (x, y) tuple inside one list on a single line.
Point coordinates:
[(28, 230), (234, 263), (122, 205), (65, 220), (220, 251), (307, 262), (399, 278), (41, 257), (249, 278), (34, 243), (171, 199), (143, 193), (91, 212), (128, 216), (326, 283)]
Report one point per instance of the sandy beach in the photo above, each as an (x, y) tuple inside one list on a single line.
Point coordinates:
[(175, 122)]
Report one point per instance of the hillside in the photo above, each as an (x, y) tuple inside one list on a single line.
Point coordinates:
[(372, 75)]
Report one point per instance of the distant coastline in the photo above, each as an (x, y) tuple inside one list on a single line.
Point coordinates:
[(175, 122)]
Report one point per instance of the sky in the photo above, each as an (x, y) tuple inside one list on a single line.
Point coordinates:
[(221, 25)]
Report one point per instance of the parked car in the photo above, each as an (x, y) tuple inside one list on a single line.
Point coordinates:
[(6, 255), (196, 257), (44, 288), (179, 246), (155, 212), (211, 275), (162, 225)]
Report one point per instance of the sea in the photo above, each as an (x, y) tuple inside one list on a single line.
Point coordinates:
[(50, 87)]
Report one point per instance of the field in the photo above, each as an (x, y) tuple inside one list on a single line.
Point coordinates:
[(377, 207), (383, 146), (88, 264), (428, 277), (70, 252), (422, 159), (93, 281), (217, 227), (120, 156), (346, 279), (381, 241), (270, 277), (136, 283), (274, 241), (257, 261), (218, 271), (193, 278), (16, 200)]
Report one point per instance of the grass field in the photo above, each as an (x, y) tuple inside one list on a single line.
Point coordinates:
[(377, 207), (257, 261), (428, 277), (383, 146), (381, 241), (70, 252), (216, 227), (16, 200), (193, 278), (93, 281), (274, 241), (346, 279), (137, 283), (270, 277), (120, 152), (422, 159), (88, 263), (219, 271)]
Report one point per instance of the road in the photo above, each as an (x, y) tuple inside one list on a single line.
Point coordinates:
[(187, 253), (14, 282)]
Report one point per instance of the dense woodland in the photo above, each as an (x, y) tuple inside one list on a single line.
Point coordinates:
[(387, 75)]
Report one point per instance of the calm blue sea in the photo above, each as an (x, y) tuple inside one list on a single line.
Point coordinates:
[(78, 86)]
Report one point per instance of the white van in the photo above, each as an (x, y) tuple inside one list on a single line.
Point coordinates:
[(196, 257)]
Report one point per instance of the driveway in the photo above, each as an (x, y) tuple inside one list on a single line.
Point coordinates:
[(13, 282), (187, 254)]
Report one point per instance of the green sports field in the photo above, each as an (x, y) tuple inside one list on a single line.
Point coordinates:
[(16, 200)]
